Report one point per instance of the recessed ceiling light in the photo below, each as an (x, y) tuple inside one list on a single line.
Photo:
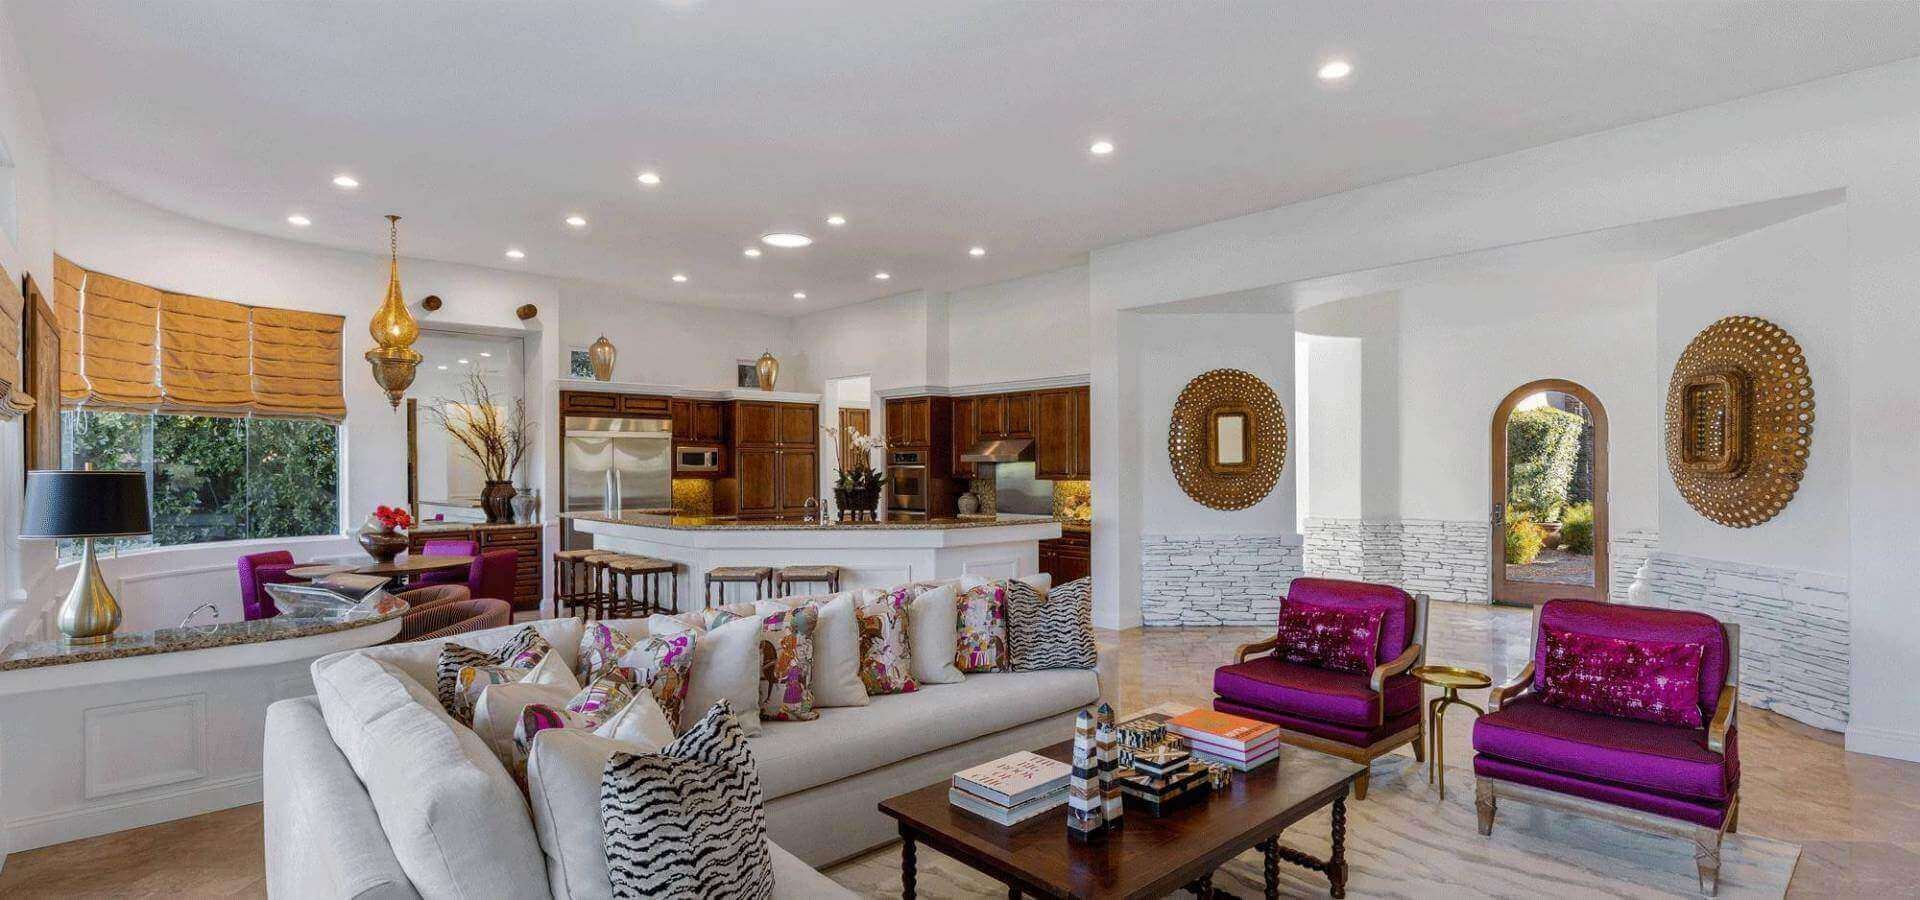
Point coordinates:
[(881, 276), (299, 221), (486, 354), (1101, 148), (577, 221), (516, 253), (751, 253), (649, 178), (836, 220), (799, 295), (1335, 69), (463, 362), (346, 181), (977, 251), (441, 368), (678, 278), (785, 239)]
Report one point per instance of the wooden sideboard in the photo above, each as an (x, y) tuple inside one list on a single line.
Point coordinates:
[(524, 540)]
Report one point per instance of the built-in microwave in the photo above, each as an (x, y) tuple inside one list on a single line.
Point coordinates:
[(696, 459)]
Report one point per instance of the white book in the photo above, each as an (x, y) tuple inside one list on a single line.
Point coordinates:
[(1013, 780), (1243, 765), (1004, 815)]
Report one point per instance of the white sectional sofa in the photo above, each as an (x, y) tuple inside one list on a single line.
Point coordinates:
[(377, 793)]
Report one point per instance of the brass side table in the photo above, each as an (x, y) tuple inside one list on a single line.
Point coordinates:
[(1451, 680)]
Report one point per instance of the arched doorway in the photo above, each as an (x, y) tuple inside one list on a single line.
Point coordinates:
[(1549, 516)]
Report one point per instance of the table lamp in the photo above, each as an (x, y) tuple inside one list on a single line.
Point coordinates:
[(87, 505)]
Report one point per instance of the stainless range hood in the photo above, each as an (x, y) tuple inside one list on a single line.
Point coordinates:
[(1005, 450)]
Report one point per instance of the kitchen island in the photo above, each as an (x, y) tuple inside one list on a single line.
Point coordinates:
[(870, 554)]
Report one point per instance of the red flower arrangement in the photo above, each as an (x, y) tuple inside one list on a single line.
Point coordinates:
[(392, 517)]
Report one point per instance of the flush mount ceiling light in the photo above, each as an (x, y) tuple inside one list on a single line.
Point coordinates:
[(516, 253), (346, 181), (679, 278), (977, 251), (299, 221), (1335, 69), (649, 178), (836, 220), (441, 368), (577, 221), (786, 240), (1101, 148), (486, 354), (881, 276), (463, 362), (751, 253), (799, 295)]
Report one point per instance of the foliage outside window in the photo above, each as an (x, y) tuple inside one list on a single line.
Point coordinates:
[(1543, 451), (212, 478)]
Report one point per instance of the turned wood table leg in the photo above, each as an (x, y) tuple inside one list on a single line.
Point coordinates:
[(906, 865), (1202, 887), (1270, 866), (1337, 863)]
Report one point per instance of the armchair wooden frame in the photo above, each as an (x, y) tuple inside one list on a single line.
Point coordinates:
[(1414, 655), (1488, 792)]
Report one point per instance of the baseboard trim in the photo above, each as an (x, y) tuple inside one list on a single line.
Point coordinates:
[(1885, 742), (95, 819)]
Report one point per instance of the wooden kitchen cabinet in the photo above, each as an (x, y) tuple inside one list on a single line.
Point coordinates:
[(990, 416), (588, 403), (1061, 442), (1019, 412), (799, 480), (910, 422), (798, 425), (755, 424), (699, 422), (1067, 557), (758, 473), (636, 405), (965, 432)]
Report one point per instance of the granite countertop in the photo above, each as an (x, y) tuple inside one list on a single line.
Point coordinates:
[(670, 520), (1076, 526), (36, 654)]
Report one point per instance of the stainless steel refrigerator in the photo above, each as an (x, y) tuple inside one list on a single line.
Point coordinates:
[(616, 464)]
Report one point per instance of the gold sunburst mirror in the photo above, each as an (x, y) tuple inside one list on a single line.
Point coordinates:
[(1228, 439), (1739, 421)]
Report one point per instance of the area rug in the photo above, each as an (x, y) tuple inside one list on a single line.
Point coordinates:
[(1403, 841)]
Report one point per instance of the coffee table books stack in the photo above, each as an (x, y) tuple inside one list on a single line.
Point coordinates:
[(1011, 789), (1235, 741)]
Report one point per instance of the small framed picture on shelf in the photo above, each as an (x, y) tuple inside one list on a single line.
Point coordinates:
[(579, 363), (746, 373)]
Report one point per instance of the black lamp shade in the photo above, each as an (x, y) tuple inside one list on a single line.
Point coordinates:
[(67, 503)]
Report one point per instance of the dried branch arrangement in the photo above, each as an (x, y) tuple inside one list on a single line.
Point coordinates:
[(496, 437)]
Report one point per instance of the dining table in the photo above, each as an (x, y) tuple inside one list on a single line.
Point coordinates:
[(412, 564)]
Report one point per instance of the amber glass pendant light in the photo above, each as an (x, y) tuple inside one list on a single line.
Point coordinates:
[(394, 330)]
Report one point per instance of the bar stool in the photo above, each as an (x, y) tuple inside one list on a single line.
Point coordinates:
[(792, 575), (761, 577), (574, 586), (623, 599)]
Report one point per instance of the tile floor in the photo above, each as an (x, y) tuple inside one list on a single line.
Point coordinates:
[(1857, 818)]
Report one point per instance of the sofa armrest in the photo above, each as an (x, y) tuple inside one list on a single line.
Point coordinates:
[(1513, 688), (1257, 647), (1723, 718), (1378, 680)]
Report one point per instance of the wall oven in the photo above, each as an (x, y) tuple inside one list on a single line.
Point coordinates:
[(907, 481), (696, 459)]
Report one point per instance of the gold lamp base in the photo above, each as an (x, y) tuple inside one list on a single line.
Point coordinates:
[(89, 615)]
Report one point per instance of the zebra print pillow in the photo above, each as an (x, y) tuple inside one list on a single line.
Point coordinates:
[(522, 651), (1053, 631), (686, 822)]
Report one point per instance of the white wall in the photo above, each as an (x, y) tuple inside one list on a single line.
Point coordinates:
[(1793, 274), (1851, 133), (662, 343), (1332, 461), (1034, 327)]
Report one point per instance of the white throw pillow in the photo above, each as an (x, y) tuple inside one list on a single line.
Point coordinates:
[(563, 790), (933, 629), (500, 706), (640, 722), (1040, 581), (836, 646), (726, 665)]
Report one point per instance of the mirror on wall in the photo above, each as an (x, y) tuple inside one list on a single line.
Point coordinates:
[(1229, 439), (443, 479)]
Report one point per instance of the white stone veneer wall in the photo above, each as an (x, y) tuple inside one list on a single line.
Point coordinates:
[(1447, 560), (1216, 579), (1794, 638)]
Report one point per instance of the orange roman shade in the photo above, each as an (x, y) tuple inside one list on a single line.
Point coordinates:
[(68, 280), (119, 331), (203, 366), (127, 346), (13, 306), (296, 364)]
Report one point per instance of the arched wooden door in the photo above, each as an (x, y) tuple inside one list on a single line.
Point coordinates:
[(1560, 573)]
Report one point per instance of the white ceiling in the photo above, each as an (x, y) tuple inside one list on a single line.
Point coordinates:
[(932, 126)]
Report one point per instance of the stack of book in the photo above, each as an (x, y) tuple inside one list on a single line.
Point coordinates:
[(1011, 789), (1235, 741)]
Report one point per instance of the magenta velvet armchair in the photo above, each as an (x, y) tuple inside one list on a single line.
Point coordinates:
[(257, 570), (1355, 715), (447, 548), (1672, 778), (492, 574)]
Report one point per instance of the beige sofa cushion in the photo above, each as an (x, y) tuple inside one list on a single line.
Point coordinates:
[(457, 824), (845, 741)]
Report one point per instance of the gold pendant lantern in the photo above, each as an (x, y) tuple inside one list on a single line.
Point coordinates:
[(394, 360)]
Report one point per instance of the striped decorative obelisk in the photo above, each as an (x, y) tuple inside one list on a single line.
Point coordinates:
[(1107, 742), (1086, 818)]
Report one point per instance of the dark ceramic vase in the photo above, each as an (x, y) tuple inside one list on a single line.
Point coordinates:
[(383, 546), (496, 500)]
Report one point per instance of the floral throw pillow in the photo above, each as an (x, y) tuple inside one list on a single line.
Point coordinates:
[(786, 665), (886, 658), (663, 665), (982, 644), (600, 649), (522, 651)]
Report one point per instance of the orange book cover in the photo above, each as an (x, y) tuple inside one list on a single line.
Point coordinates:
[(1222, 728)]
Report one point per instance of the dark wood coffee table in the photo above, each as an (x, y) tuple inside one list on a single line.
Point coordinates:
[(1146, 857)]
